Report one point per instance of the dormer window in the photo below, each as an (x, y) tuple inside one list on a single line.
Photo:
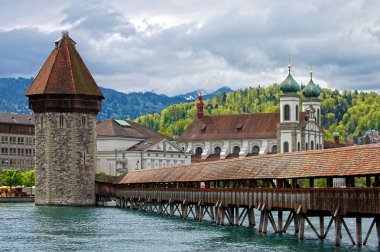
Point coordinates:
[(239, 126)]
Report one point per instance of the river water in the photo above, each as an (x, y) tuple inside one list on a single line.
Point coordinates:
[(25, 227)]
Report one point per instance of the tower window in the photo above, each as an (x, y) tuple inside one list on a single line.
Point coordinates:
[(318, 116), (61, 121), (297, 112), (286, 112), (83, 121), (299, 146), (312, 145), (286, 147)]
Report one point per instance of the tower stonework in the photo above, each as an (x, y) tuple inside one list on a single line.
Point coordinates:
[(65, 99)]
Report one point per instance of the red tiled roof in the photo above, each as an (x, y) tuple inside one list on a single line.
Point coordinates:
[(64, 72), (229, 127), (111, 128), (357, 160)]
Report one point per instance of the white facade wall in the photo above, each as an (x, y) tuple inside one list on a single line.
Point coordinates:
[(227, 146), (114, 161)]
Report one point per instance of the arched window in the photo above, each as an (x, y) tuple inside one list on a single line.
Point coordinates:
[(299, 146), (307, 147), (236, 150), (297, 113), (286, 147), (217, 150), (312, 145), (318, 116), (198, 150), (255, 149), (274, 149), (317, 146), (286, 112)]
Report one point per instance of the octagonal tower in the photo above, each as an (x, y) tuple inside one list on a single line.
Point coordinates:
[(65, 99)]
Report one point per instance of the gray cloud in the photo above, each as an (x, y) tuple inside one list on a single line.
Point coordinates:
[(172, 48)]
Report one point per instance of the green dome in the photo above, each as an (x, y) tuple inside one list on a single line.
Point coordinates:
[(289, 85), (311, 90)]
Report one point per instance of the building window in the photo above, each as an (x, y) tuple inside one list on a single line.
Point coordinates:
[(20, 140), (297, 113), (286, 147), (317, 146), (307, 146), (286, 112), (61, 121), (13, 140), (274, 149), (312, 145), (198, 151), (236, 150), (4, 151), (217, 150), (255, 149), (299, 146), (4, 140)]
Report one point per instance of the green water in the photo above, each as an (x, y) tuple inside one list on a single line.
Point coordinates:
[(24, 227)]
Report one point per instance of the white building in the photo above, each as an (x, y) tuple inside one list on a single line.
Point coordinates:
[(229, 136), (16, 141), (125, 145)]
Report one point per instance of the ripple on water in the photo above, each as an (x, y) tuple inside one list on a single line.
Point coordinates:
[(26, 227)]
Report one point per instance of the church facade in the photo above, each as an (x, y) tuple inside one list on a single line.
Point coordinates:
[(230, 136)]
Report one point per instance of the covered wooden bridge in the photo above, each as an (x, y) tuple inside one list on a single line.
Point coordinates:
[(299, 183)]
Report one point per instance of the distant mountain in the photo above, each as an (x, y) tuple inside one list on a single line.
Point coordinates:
[(206, 94), (116, 105)]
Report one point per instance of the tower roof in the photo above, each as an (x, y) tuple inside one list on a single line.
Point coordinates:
[(64, 72), (311, 90), (289, 85)]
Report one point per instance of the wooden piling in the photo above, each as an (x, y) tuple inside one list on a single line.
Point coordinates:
[(359, 231)]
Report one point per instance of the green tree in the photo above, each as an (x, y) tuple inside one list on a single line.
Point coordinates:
[(28, 178), (11, 177)]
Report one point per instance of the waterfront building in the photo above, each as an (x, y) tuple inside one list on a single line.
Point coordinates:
[(65, 99), (17, 141), (230, 136), (125, 145)]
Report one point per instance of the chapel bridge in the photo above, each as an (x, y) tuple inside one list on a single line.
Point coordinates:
[(297, 186)]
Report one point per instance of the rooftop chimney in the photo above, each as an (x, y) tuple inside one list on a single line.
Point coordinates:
[(200, 107), (336, 138)]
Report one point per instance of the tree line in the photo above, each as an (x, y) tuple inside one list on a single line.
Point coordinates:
[(350, 113)]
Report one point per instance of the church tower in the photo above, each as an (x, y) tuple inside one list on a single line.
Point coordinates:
[(65, 99), (311, 93), (289, 129)]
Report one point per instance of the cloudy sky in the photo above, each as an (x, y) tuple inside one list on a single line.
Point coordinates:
[(174, 47)]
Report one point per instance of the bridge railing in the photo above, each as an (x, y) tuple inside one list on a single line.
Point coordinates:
[(344, 200)]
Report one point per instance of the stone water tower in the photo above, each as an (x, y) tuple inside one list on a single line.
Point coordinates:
[(65, 99)]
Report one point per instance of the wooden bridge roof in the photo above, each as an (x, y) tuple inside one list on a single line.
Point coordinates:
[(340, 162)]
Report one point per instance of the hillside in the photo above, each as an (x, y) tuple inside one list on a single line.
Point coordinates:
[(351, 113), (116, 105)]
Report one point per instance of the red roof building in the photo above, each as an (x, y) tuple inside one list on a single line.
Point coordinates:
[(231, 136)]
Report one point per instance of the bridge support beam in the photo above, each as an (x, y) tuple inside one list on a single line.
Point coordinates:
[(359, 231)]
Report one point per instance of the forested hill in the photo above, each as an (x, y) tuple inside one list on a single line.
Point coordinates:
[(117, 105), (347, 112)]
